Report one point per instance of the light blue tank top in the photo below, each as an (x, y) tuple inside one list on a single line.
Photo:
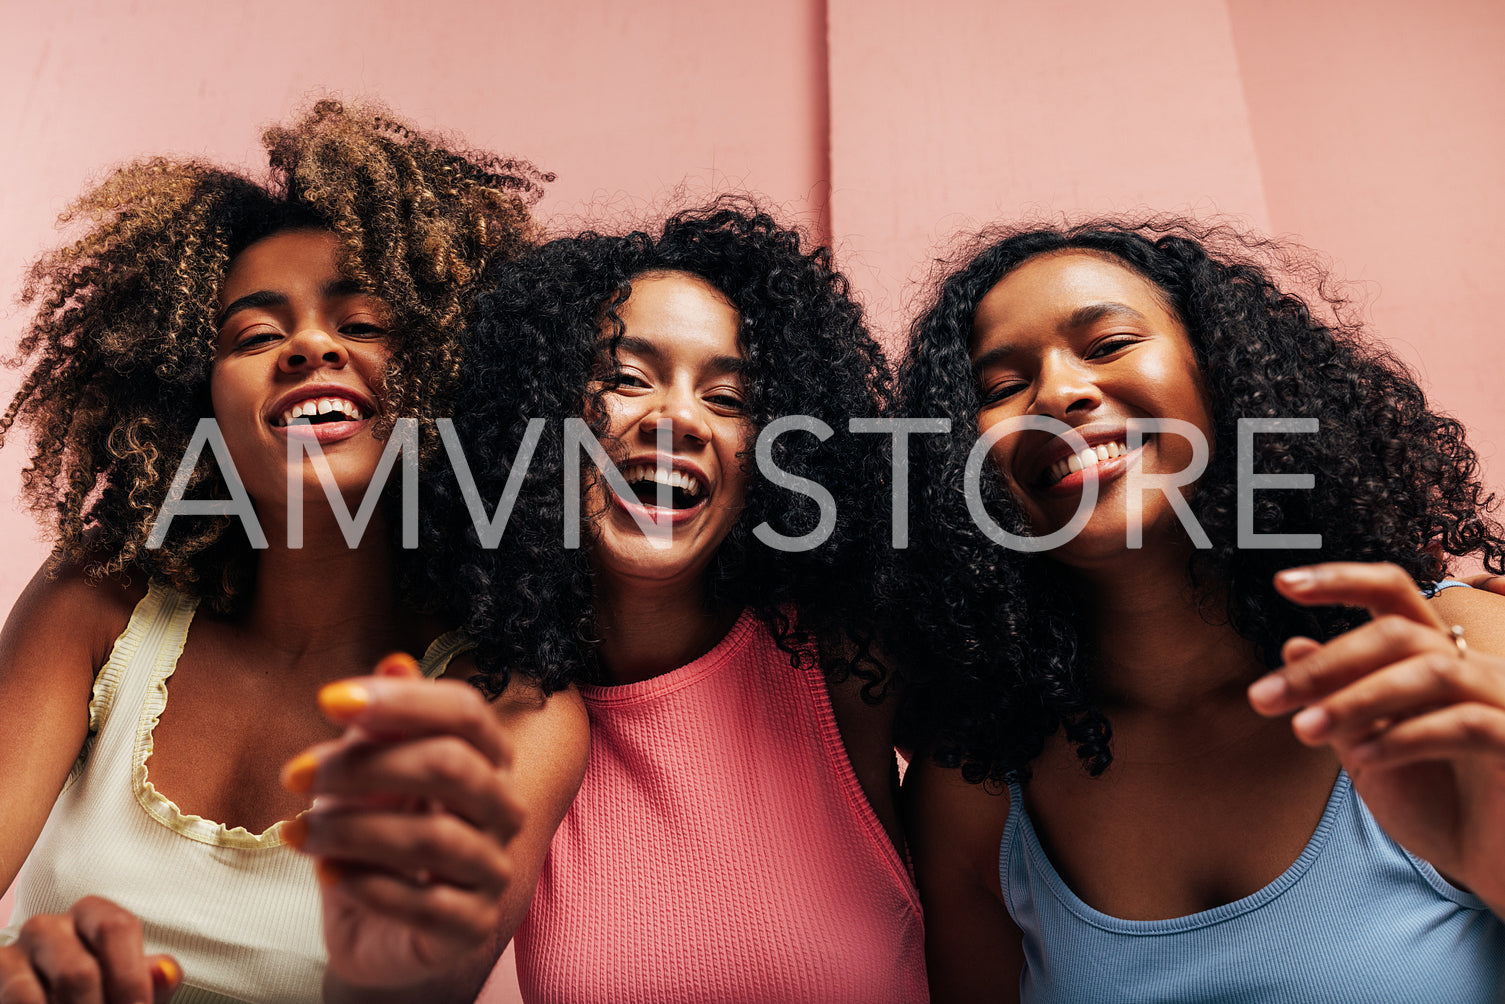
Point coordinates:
[(1356, 920)]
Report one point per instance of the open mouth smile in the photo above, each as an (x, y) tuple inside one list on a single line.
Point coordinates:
[(323, 414), (321, 410), (1103, 461), (687, 492)]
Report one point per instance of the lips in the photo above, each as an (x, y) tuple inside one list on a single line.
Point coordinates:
[(323, 412), (1090, 457), (686, 484), (1055, 467)]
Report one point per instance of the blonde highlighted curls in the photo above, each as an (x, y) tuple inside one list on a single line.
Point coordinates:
[(120, 347)]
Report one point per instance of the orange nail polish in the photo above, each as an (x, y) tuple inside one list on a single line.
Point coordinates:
[(295, 832), (327, 872), (344, 699), (298, 773), (166, 972), (398, 664)]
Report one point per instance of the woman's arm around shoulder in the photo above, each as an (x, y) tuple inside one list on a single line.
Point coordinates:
[(54, 642), (973, 950), (1481, 614)]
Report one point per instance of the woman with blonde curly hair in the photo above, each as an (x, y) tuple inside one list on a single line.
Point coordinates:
[(216, 345)]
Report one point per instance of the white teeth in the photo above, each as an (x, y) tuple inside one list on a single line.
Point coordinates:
[(322, 406), (1089, 457), (673, 478)]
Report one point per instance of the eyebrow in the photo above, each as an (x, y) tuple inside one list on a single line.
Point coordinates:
[(720, 365), (1083, 316), (1078, 318), (251, 301), (271, 298)]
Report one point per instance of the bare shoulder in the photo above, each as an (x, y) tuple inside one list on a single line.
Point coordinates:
[(866, 725), (942, 809), (64, 611), (1481, 613), (54, 642), (550, 733), (973, 949)]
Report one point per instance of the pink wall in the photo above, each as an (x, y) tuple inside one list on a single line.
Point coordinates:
[(1005, 109), (1381, 140), (1372, 130)]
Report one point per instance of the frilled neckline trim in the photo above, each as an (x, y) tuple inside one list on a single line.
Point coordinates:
[(167, 616)]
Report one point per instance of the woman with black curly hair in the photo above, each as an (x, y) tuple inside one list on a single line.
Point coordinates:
[(1148, 435), (255, 346), (735, 838)]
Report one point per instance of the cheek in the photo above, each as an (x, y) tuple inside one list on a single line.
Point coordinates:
[(1001, 453), (228, 395)]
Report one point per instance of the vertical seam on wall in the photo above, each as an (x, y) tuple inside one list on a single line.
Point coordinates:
[(826, 223), (1229, 21)]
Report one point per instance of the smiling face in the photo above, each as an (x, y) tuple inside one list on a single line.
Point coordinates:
[(301, 352), (680, 366), (1081, 339)]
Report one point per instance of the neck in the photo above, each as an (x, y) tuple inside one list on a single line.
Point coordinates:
[(326, 600), (1163, 648), (647, 630)]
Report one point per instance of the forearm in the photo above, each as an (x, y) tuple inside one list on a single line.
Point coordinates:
[(461, 984)]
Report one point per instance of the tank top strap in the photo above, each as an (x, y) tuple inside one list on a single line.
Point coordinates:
[(155, 632), (158, 627)]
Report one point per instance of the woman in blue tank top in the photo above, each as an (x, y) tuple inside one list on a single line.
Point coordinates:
[(1153, 448)]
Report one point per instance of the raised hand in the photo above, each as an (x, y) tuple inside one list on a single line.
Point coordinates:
[(1416, 719), (93, 954), (410, 828)]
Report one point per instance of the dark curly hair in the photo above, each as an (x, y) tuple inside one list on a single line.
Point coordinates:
[(535, 352), (123, 339), (990, 638)]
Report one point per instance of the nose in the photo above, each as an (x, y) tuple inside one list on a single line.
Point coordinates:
[(681, 411), (1066, 387), (311, 347)]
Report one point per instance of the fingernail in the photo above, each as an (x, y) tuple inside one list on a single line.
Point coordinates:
[(295, 832), (1312, 723), (398, 664), (298, 773), (166, 972), (326, 871), (1268, 690), (1296, 578), (344, 699)]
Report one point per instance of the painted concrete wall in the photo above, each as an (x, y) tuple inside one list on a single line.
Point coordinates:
[(1380, 130), (997, 111)]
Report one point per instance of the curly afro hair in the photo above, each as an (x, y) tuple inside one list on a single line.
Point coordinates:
[(545, 347), (120, 348), (990, 638)]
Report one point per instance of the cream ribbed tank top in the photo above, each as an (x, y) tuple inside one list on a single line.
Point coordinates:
[(239, 910)]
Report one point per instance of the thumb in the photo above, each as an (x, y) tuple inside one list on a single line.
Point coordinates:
[(167, 976), (398, 664)]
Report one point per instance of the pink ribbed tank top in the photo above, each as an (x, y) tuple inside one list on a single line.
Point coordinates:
[(721, 849)]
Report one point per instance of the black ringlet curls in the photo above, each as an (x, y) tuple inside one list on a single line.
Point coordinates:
[(990, 638), (535, 352)]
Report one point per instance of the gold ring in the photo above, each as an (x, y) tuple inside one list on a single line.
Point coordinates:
[(1456, 634)]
